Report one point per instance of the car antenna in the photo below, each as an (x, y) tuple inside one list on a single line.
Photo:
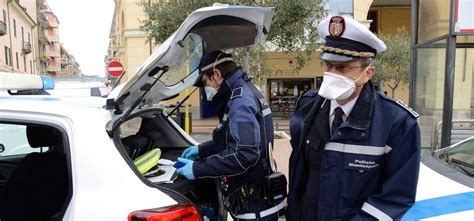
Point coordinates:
[(118, 80), (180, 103)]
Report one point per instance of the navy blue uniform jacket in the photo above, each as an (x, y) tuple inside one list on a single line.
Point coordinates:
[(238, 148), (369, 167)]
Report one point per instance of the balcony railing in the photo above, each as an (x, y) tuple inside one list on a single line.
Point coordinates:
[(3, 28), (44, 56), (44, 37), (52, 53), (54, 38), (53, 68), (53, 23), (64, 59), (26, 49)]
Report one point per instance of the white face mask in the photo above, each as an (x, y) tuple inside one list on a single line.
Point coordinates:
[(336, 87), (210, 92)]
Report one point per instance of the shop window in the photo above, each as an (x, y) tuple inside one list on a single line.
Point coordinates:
[(285, 92)]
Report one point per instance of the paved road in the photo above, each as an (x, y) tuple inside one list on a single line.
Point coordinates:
[(201, 137)]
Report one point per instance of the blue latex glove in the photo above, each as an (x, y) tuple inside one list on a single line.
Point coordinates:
[(187, 169), (191, 153)]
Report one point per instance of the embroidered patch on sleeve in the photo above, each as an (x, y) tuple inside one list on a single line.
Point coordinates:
[(246, 133), (237, 92)]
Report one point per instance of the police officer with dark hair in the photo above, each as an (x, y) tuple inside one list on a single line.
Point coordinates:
[(356, 152), (238, 154)]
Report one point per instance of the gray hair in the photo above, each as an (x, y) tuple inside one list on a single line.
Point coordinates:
[(366, 61)]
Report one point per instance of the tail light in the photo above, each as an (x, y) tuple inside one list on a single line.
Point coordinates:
[(181, 211)]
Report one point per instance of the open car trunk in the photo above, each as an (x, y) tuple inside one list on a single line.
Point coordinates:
[(138, 124), (148, 129), (173, 67)]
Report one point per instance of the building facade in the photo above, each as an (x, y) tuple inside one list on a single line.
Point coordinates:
[(50, 47), (54, 59), (127, 42), (17, 36), (69, 66), (29, 40)]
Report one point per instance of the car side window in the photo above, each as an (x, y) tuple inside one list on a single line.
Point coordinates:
[(13, 141), (461, 156)]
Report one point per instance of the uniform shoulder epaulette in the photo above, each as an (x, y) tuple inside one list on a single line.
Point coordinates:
[(403, 105), (407, 108), (308, 93), (237, 92)]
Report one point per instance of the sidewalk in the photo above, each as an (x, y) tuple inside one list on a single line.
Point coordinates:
[(204, 126), (202, 130)]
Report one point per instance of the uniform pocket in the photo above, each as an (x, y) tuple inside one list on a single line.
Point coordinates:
[(360, 177)]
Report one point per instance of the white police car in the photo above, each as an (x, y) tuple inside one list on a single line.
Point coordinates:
[(446, 185), (80, 166), (27, 86), (80, 89)]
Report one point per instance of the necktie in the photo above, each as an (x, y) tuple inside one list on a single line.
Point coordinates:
[(337, 119)]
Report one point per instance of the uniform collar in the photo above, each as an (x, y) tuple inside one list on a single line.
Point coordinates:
[(361, 114), (233, 78), (346, 108)]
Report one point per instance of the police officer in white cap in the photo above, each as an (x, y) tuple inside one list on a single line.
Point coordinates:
[(355, 152)]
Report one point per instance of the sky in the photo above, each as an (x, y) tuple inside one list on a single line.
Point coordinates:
[(84, 28)]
